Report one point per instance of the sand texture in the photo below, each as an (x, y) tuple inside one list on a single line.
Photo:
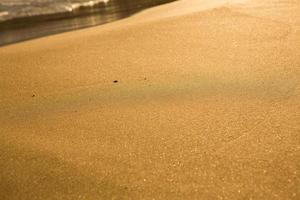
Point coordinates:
[(195, 99)]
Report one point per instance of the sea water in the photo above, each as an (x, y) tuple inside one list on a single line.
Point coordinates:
[(25, 19)]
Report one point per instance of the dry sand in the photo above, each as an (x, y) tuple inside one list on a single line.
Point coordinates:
[(206, 106)]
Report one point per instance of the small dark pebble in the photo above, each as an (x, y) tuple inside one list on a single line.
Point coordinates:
[(33, 95), (145, 78), (115, 81)]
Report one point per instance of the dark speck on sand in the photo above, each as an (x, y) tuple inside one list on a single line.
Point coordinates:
[(116, 81)]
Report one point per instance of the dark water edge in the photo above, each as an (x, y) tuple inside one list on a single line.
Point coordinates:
[(21, 29)]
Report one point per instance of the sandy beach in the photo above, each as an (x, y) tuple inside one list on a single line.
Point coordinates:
[(196, 99)]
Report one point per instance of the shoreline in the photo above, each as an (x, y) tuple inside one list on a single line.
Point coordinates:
[(19, 29)]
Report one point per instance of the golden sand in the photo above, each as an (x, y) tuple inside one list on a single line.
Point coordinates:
[(206, 106)]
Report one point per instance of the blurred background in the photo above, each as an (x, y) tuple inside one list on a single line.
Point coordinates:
[(21, 20)]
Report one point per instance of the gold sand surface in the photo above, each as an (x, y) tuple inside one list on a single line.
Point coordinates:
[(206, 106)]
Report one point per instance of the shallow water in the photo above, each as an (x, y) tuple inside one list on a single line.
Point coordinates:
[(21, 20), (11, 9)]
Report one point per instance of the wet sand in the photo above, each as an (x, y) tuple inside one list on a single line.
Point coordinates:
[(20, 21), (190, 100)]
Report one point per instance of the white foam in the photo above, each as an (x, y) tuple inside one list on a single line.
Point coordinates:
[(2, 14)]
